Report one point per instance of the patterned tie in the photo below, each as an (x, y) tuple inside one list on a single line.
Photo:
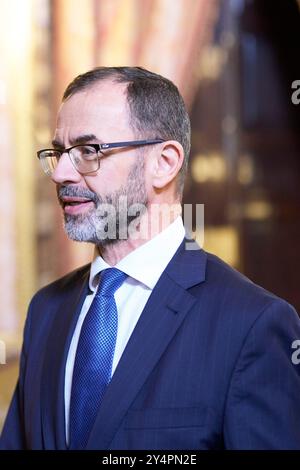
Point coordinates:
[(94, 357)]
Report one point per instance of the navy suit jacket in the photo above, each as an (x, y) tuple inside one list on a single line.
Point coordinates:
[(208, 366)]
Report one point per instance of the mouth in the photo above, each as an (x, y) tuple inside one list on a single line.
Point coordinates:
[(75, 205)]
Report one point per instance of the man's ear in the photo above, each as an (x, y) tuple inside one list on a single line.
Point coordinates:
[(167, 164)]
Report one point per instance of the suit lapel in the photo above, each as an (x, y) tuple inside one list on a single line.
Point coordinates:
[(163, 314), (58, 343)]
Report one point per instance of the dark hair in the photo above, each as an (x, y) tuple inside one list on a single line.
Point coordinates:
[(157, 109)]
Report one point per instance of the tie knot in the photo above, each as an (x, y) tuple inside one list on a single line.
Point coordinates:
[(110, 281)]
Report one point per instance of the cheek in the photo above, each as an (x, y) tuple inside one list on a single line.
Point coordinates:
[(106, 181)]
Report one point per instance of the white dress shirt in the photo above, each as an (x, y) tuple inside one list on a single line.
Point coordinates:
[(144, 267)]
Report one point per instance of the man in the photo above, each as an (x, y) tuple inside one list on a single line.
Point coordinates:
[(152, 346)]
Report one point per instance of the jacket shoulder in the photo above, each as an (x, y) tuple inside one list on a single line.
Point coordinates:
[(61, 285), (236, 292)]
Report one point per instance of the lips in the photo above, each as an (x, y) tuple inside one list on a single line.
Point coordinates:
[(74, 205), (73, 201)]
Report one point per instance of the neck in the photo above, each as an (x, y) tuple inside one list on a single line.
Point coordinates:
[(156, 219)]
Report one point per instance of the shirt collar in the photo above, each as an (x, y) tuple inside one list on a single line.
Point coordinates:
[(148, 261)]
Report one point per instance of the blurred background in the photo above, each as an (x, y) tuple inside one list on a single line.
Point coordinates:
[(234, 61)]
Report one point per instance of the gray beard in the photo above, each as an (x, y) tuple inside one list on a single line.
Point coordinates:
[(109, 220)]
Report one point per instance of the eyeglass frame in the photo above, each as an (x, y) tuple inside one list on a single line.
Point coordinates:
[(99, 148)]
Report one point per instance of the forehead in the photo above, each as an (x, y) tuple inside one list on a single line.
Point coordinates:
[(100, 105)]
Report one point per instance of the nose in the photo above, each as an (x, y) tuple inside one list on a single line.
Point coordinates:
[(65, 172)]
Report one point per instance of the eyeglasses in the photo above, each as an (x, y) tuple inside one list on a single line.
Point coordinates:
[(85, 158)]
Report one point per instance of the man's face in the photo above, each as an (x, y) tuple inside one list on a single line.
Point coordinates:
[(102, 114)]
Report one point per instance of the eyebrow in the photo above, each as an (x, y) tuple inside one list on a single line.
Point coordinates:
[(81, 139)]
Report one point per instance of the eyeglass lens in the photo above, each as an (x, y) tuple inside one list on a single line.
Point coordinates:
[(84, 158)]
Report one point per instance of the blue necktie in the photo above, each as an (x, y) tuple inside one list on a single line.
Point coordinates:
[(94, 358)]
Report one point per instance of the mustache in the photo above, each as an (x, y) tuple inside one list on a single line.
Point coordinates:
[(75, 191)]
